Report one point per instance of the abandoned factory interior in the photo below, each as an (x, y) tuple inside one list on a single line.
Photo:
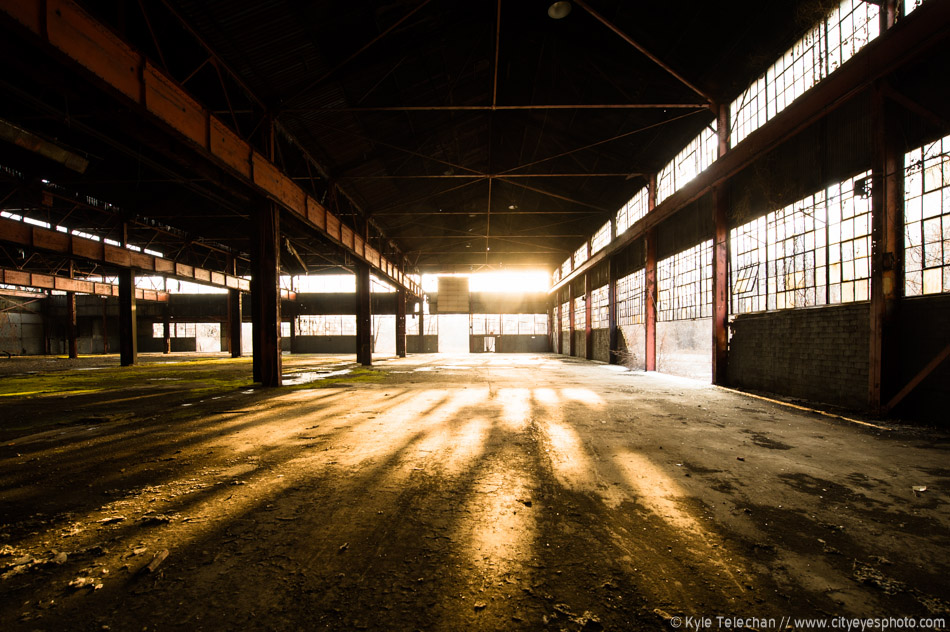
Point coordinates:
[(442, 315)]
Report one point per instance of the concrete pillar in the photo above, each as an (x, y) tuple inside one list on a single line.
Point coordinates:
[(235, 320), (128, 342), (364, 319), (401, 322), (265, 295), (887, 251), (72, 335)]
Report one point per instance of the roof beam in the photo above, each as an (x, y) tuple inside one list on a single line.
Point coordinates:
[(926, 28), (503, 108), (656, 60), (22, 278)]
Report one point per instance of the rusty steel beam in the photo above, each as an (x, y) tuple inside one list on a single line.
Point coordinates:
[(656, 60), (504, 108), (21, 278), (364, 317), (401, 323), (79, 247), (129, 75), (923, 30), (31, 142)]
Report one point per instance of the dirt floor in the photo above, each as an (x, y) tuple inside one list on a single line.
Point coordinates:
[(481, 492)]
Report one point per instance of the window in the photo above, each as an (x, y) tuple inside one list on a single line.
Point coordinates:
[(633, 210), (486, 324), (599, 308), (580, 314), (695, 158), (684, 284), (580, 255), (822, 50), (565, 316), (328, 325), (600, 239), (630, 293), (815, 251), (927, 219)]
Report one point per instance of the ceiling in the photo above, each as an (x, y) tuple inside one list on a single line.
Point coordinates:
[(458, 135)]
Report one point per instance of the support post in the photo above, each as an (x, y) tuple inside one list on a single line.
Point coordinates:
[(570, 316), (649, 275), (422, 325), (613, 333), (559, 334), (364, 320), (588, 312), (235, 320), (128, 343), (72, 342), (401, 322), (265, 294), (887, 251), (720, 265), (166, 330)]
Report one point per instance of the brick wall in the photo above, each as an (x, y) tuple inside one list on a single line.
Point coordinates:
[(819, 354)]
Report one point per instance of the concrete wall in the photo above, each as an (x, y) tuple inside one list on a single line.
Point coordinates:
[(601, 344), (684, 347), (631, 345), (819, 354), (21, 334), (427, 344), (579, 348)]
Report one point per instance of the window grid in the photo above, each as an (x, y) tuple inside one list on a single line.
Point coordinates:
[(795, 264), (689, 163), (910, 5), (327, 325), (599, 308), (486, 324), (832, 42), (600, 239), (566, 316), (630, 292), (580, 314), (749, 260), (580, 255), (813, 252), (927, 219), (684, 284), (633, 210)]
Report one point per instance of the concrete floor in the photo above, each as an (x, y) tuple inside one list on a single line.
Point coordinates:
[(483, 492)]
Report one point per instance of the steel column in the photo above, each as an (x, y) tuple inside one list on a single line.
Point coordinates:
[(265, 295), (559, 333), (422, 326), (588, 326), (166, 331), (71, 329), (887, 251), (401, 322), (720, 264), (364, 319), (570, 316), (235, 320), (613, 333), (128, 343), (649, 286)]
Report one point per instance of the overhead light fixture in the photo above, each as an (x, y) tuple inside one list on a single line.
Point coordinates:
[(512, 207), (559, 10)]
